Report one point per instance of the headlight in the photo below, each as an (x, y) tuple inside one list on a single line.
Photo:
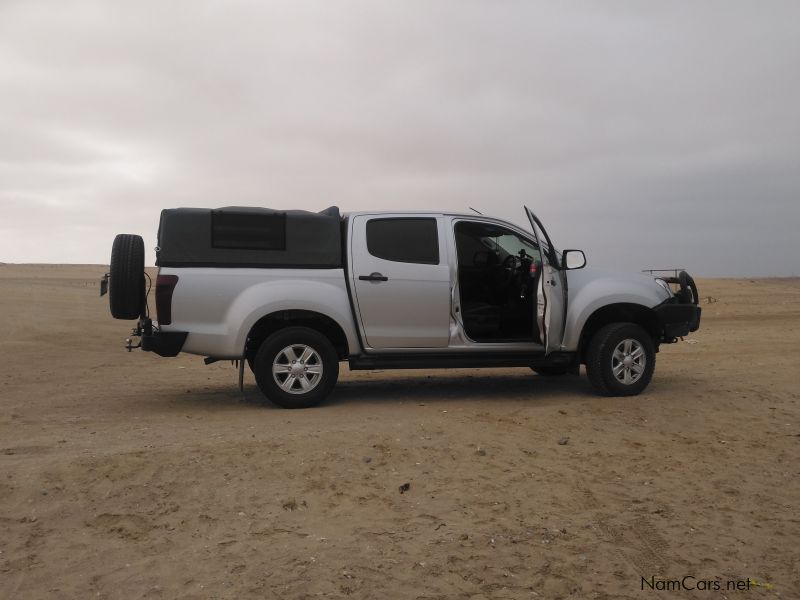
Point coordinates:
[(664, 285)]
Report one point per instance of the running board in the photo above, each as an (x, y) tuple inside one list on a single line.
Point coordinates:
[(461, 360)]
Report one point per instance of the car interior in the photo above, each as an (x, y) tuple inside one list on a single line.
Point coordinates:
[(498, 275)]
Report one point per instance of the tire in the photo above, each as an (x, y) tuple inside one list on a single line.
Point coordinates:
[(294, 343), (126, 288), (602, 363), (550, 371)]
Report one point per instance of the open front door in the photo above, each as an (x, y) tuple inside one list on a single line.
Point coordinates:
[(551, 291)]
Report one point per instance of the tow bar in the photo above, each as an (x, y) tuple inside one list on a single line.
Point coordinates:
[(144, 326)]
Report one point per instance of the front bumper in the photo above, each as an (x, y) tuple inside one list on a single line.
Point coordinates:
[(676, 320), (164, 343)]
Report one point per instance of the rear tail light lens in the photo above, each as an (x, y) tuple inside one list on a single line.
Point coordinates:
[(165, 285)]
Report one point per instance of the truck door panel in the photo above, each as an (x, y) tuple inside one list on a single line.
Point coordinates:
[(401, 280)]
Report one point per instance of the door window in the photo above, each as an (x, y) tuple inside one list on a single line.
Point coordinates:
[(408, 240)]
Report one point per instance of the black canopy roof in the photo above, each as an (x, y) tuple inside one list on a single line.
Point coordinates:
[(249, 237)]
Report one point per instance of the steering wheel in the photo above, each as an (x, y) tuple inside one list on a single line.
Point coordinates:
[(508, 270)]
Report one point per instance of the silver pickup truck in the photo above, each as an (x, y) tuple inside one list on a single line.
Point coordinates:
[(293, 293)]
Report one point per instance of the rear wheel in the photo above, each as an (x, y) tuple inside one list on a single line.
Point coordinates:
[(296, 367), (250, 357), (126, 286), (620, 360)]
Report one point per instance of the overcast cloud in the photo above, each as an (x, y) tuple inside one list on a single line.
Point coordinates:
[(649, 134)]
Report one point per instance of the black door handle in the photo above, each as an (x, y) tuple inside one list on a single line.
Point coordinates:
[(373, 277)]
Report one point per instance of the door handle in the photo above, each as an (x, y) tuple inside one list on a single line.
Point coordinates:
[(373, 277)]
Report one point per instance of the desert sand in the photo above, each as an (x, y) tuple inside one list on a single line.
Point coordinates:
[(126, 475)]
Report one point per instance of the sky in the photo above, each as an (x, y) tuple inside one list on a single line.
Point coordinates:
[(648, 134)]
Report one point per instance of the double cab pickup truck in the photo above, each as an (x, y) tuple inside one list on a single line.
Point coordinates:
[(294, 293)]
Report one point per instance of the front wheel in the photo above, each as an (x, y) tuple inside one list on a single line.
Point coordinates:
[(296, 367), (620, 360)]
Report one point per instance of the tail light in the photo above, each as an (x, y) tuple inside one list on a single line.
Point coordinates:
[(165, 285)]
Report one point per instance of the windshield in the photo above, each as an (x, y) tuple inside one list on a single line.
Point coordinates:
[(483, 239), (509, 243)]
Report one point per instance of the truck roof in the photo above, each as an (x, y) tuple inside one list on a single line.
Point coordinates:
[(347, 215), (448, 213)]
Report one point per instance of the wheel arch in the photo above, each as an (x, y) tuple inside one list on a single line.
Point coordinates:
[(619, 312), (280, 319)]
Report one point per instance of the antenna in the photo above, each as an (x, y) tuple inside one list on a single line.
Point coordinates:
[(477, 211)]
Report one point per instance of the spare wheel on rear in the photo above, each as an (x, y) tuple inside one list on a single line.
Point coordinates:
[(126, 286)]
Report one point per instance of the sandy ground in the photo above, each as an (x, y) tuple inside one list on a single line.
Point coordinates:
[(133, 476)]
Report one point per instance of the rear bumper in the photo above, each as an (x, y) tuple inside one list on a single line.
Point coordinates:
[(164, 343), (676, 320)]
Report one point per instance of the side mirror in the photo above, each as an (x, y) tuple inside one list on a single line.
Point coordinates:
[(573, 259)]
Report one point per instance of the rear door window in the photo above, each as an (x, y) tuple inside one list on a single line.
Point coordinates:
[(404, 239)]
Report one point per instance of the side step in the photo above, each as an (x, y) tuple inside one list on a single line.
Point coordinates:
[(463, 360)]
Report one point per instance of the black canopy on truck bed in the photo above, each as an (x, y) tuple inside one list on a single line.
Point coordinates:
[(249, 237)]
